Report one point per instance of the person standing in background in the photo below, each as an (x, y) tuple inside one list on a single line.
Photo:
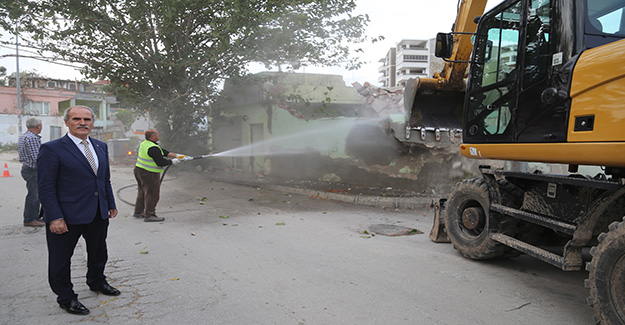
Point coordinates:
[(28, 148), (150, 165)]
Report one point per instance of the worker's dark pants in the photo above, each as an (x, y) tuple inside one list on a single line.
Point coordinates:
[(149, 192), (61, 248), (31, 204)]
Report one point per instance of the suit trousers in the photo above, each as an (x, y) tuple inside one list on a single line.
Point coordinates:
[(148, 193), (61, 248)]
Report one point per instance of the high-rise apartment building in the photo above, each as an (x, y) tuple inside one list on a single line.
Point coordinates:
[(409, 59)]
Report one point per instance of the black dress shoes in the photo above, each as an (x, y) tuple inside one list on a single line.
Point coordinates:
[(75, 307), (106, 289)]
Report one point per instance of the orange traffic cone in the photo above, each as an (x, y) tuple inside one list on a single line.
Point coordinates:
[(6, 171)]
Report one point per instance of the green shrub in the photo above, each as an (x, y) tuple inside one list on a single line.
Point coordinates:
[(5, 147)]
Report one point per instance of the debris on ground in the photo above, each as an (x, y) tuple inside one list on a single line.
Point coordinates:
[(393, 230)]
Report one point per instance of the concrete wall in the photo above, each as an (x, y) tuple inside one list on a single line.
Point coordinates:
[(269, 131), (289, 136), (9, 133), (326, 135), (8, 98)]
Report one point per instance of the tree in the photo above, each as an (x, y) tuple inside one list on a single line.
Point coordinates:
[(3, 76), (125, 117), (169, 57)]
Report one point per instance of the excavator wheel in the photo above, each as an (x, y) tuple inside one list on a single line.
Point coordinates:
[(467, 222), (511, 196), (606, 278)]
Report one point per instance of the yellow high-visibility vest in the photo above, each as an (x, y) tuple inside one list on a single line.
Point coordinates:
[(145, 161)]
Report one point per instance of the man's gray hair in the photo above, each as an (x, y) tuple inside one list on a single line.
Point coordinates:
[(32, 123), (66, 114)]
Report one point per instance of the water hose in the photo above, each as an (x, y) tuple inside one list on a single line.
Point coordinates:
[(161, 180), (186, 158)]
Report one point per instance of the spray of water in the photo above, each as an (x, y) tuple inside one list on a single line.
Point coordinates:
[(278, 146)]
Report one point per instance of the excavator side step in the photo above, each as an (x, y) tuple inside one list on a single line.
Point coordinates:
[(534, 218), (537, 252)]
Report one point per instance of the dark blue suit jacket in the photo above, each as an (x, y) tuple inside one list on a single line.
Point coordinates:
[(68, 187)]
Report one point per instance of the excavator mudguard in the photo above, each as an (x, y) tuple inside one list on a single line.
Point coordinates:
[(438, 234)]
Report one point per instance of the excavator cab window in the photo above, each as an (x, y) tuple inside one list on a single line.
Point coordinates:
[(492, 84), (537, 52), (605, 21)]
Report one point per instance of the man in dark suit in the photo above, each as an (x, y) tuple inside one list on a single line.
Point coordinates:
[(75, 191)]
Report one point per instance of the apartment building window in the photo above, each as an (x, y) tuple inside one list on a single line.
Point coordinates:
[(411, 72), (55, 132), (415, 58), (51, 84), (36, 108)]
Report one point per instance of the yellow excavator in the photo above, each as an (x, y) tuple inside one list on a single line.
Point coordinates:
[(545, 84)]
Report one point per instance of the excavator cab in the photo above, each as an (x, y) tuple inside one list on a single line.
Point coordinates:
[(510, 68), (533, 92)]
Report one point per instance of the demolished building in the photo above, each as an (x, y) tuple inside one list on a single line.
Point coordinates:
[(313, 126)]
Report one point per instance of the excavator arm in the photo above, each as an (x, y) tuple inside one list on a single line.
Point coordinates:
[(456, 65), (433, 106)]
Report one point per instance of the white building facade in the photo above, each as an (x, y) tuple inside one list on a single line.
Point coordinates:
[(412, 58), (387, 69)]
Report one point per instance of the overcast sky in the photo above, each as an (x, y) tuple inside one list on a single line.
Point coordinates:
[(394, 19)]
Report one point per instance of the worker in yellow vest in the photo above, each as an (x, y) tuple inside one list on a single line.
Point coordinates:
[(150, 165)]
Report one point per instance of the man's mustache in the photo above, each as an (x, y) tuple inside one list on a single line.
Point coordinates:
[(82, 126)]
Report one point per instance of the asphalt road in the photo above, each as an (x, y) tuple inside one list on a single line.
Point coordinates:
[(231, 254)]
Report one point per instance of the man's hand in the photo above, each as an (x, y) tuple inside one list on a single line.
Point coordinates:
[(112, 213), (58, 226), (175, 161)]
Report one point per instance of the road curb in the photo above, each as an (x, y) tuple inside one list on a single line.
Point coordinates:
[(373, 201), (409, 203)]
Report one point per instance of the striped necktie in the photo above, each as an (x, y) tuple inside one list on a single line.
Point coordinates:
[(89, 156)]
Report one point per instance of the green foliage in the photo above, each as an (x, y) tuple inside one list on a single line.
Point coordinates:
[(170, 57), (7, 147), (3, 76), (10, 13), (126, 117)]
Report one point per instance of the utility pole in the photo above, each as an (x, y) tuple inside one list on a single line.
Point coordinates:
[(17, 80)]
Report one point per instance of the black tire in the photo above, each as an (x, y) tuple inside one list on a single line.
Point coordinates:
[(606, 278), (467, 222), (511, 196)]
